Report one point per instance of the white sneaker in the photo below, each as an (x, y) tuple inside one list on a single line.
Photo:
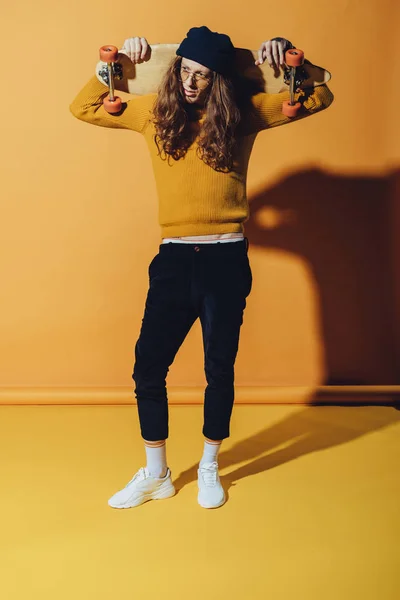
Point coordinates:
[(141, 488), (211, 493)]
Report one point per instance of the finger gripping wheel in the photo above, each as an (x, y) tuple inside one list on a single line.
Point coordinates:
[(109, 54), (294, 58)]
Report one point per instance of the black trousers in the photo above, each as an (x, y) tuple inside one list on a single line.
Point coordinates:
[(187, 281)]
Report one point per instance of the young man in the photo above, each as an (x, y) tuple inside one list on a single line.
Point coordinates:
[(200, 129)]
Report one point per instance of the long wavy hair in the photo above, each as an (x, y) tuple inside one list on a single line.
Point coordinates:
[(174, 135)]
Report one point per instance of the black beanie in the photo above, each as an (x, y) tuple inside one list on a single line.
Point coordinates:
[(211, 49)]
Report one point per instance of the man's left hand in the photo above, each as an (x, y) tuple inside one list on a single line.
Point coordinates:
[(274, 52)]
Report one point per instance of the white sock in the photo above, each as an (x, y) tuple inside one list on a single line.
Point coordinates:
[(210, 454), (156, 458)]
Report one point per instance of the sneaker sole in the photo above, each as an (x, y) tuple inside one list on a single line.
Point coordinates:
[(211, 505), (167, 492)]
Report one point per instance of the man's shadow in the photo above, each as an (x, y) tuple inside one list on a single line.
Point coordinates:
[(343, 227), (305, 431)]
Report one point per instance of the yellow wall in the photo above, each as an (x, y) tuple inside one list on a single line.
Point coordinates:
[(79, 208)]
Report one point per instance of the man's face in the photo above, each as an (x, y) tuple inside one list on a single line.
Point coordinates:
[(196, 81)]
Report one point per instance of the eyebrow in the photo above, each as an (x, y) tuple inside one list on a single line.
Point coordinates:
[(201, 72)]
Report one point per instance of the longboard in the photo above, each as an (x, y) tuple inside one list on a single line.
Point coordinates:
[(145, 77)]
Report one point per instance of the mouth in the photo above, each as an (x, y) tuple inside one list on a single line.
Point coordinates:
[(190, 94)]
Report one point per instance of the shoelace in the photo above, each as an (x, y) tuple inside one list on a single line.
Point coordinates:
[(209, 474), (139, 475)]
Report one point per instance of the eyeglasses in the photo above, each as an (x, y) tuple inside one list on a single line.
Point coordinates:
[(201, 81)]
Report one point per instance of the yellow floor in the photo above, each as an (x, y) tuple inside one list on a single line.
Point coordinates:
[(312, 511)]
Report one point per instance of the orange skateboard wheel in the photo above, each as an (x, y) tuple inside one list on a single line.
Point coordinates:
[(109, 54), (290, 110), (112, 106), (294, 57)]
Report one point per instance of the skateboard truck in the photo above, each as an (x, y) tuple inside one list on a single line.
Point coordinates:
[(117, 71), (294, 58), (109, 55)]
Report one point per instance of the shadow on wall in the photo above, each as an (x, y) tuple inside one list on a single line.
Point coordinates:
[(343, 227)]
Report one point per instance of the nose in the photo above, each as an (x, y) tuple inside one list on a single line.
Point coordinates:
[(191, 77)]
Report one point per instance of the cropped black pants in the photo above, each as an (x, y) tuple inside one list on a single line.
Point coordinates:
[(187, 281)]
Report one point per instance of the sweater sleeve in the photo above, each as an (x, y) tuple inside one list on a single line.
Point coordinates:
[(88, 106), (266, 109)]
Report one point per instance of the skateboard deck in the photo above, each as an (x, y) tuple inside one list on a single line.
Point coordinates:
[(145, 77)]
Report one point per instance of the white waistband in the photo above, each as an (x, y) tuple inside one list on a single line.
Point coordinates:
[(194, 241)]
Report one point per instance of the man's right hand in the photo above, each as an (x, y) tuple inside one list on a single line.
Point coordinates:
[(135, 48)]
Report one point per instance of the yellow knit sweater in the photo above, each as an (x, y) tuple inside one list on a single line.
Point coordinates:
[(194, 199)]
